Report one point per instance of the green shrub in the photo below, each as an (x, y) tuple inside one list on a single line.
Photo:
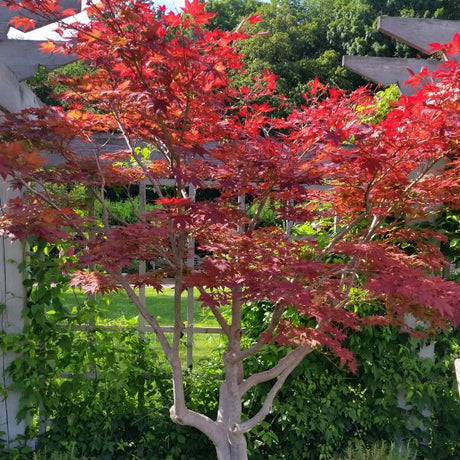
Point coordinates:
[(125, 210), (322, 412), (379, 451)]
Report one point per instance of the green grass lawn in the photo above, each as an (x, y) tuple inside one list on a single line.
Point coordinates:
[(116, 308)]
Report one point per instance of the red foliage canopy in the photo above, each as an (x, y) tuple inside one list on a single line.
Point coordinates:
[(162, 82)]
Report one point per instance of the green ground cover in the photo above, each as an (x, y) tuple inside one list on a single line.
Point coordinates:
[(378, 451)]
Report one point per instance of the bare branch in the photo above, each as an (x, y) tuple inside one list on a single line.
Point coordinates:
[(45, 198), (292, 358), (218, 315), (295, 357), (356, 221), (106, 209), (277, 313), (131, 149), (258, 211), (151, 319), (423, 173), (199, 421), (152, 181)]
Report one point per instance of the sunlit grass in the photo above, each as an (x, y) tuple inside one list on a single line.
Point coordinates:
[(116, 309)]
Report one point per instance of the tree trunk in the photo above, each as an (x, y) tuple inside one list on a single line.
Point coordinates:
[(232, 448), (231, 444)]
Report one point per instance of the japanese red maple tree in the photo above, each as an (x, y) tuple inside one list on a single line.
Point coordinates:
[(161, 82)]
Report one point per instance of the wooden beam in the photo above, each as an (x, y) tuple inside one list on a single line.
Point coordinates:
[(418, 33), (6, 15), (386, 71), (24, 56)]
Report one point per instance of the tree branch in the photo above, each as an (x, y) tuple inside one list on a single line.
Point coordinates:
[(357, 220), (153, 181), (199, 421), (277, 313), (295, 358), (218, 315), (50, 202), (151, 319), (106, 209), (255, 218)]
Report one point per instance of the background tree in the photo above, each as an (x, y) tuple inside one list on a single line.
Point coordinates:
[(161, 83), (307, 38), (231, 12), (352, 27), (42, 82), (295, 45)]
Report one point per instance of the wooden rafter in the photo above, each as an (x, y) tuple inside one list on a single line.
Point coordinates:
[(6, 15), (417, 33)]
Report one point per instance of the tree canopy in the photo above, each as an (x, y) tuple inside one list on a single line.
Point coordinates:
[(299, 40)]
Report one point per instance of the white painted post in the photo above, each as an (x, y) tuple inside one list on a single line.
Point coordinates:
[(142, 263), (190, 295), (14, 96), (12, 302), (457, 372), (141, 321)]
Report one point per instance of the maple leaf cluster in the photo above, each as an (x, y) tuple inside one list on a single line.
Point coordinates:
[(35, 12), (161, 82)]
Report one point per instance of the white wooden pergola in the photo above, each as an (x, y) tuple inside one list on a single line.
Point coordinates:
[(418, 34), (19, 60)]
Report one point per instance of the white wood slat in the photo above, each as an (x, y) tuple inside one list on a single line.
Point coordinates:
[(418, 33)]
